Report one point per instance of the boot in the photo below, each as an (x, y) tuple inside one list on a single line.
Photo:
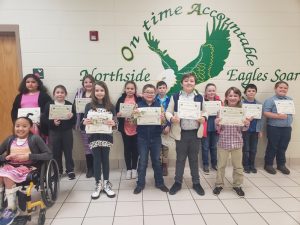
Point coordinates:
[(89, 165), (165, 169)]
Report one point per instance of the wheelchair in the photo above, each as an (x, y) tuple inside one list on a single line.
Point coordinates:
[(45, 179)]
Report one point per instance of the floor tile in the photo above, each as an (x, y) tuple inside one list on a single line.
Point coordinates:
[(84, 185), (279, 218), (127, 195), (213, 219), (228, 193), (262, 182), (254, 192), (52, 211), (79, 196), (101, 209), (128, 220), (154, 194), (156, 208), (184, 207), (295, 215), (129, 209), (189, 220), (72, 210), (127, 185), (293, 191), (249, 219), (237, 206), (275, 192), (264, 205), (98, 220), (155, 220), (67, 221), (284, 182), (183, 194), (208, 194), (211, 206), (288, 204)]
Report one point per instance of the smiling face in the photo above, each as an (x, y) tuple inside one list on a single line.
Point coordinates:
[(233, 99), (149, 94), (188, 84), (250, 93), (22, 128), (32, 85), (130, 90), (88, 84), (59, 95), (281, 89), (99, 92), (210, 92)]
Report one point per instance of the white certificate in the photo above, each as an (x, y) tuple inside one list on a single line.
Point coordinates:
[(126, 110), (212, 107), (285, 106), (59, 112), (98, 123), (231, 116), (252, 110), (32, 113), (80, 104), (189, 110), (149, 116)]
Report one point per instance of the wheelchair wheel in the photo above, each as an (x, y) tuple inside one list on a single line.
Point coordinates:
[(42, 217), (49, 182)]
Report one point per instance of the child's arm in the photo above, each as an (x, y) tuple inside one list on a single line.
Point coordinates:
[(170, 115), (3, 148), (44, 153)]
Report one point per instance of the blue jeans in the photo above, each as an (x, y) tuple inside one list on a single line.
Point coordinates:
[(249, 149), (209, 145), (278, 141), (145, 146)]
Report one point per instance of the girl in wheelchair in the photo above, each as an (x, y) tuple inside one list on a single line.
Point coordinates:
[(18, 154)]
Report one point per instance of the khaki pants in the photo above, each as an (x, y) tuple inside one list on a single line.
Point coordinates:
[(236, 158)]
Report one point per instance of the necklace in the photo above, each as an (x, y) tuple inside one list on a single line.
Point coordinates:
[(21, 142)]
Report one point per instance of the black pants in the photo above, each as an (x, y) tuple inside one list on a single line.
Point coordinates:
[(101, 162), (62, 142), (130, 151)]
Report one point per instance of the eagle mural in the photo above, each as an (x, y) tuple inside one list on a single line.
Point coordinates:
[(209, 62)]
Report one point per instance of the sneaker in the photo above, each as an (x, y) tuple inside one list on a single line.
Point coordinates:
[(71, 175), (253, 170), (217, 190), (214, 167), (239, 191), (163, 188), (270, 169), (107, 189), (175, 188), (283, 170), (247, 170), (8, 216), (133, 174), (198, 189), (96, 193), (128, 175), (206, 169), (137, 190)]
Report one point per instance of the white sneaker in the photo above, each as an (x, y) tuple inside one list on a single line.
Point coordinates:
[(98, 189), (107, 189), (133, 174), (128, 175)]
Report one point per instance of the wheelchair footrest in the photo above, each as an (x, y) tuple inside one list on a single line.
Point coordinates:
[(20, 220), (22, 199)]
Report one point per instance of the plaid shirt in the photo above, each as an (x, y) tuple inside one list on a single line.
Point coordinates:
[(230, 137)]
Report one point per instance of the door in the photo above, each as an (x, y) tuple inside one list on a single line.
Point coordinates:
[(9, 80)]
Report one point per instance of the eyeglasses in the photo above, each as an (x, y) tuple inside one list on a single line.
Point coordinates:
[(149, 93)]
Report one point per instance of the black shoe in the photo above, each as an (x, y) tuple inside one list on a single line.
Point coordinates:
[(198, 189), (175, 188), (206, 169), (214, 167), (283, 170), (270, 169), (89, 173), (246, 170), (163, 188), (253, 170), (239, 191), (71, 175), (137, 190), (217, 190)]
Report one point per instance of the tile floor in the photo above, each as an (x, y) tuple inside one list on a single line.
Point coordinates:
[(270, 199)]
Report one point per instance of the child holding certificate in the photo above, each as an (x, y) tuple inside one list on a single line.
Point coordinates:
[(32, 94), (19, 153), (149, 140), (187, 132), (250, 137), (60, 132), (128, 128), (231, 142), (210, 137), (164, 100), (278, 129), (100, 143), (85, 92)]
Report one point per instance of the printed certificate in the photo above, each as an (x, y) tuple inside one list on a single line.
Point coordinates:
[(98, 123), (212, 107), (80, 104), (32, 113), (252, 110), (189, 110), (231, 116), (59, 112), (285, 106), (126, 110), (149, 116)]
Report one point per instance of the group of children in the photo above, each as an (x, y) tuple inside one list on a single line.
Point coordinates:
[(27, 145)]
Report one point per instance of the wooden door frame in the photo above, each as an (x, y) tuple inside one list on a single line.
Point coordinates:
[(14, 29)]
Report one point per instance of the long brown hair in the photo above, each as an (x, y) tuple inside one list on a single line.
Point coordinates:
[(106, 100), (235, 91)]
